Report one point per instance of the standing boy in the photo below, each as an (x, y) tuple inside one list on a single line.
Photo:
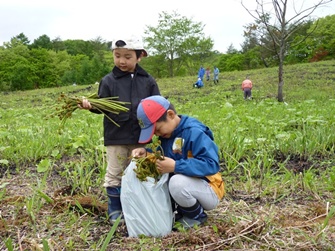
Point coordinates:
[(201, 73), (130, 83), (190, 156), (216, 75)]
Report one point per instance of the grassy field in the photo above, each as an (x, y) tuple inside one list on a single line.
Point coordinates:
[(277, 161)]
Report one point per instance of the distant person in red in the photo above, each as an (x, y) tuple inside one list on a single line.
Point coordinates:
[(247, 87), (208, 74)]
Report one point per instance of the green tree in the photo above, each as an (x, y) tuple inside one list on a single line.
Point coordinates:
[(58, 44), (76, 47), (253, 60), (74, 73), (297, 50), (17, 40), (22, 38), (16, 70), (42, 42), (47, 63), (231, 49), (44, 74), (322, 40), (91, 70), (258, 40), (153, 64), (85, 73), (100, 67), (231, 62), (177, 38), (61, 63), (99, 45)]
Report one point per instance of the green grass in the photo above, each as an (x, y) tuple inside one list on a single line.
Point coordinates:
[(277, 161)]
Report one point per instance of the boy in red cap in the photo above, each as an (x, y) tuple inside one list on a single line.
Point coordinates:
[(130, 83), (190, 156)]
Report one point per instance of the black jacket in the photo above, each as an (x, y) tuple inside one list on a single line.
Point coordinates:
[(128, 89)]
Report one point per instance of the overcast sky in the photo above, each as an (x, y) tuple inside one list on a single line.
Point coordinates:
[(111, 19)]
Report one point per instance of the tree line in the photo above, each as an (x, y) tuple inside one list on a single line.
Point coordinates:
[(177, 46)]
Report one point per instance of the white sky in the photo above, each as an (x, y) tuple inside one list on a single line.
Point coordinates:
[(111, 19)]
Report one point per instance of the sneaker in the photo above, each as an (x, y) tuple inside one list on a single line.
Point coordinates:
[(114, 216), (189, 223)]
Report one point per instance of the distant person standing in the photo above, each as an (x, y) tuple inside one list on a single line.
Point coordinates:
[(247, 87), (201, 73), (208, 74), (216, 75)]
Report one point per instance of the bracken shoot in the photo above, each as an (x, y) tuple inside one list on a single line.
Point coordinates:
[(104, 105), (146, 166)]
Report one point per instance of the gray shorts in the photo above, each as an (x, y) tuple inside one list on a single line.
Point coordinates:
[(186, 191)]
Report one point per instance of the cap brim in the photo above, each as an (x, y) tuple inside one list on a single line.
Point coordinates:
[(145, 54), (146, 134)]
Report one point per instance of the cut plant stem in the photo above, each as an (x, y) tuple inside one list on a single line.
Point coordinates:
[(103, 105)]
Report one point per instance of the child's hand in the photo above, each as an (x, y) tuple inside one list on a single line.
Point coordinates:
[(85, 104), (166, 165), (139, 152)]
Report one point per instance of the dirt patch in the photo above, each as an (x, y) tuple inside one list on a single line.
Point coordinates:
[(298, 221)]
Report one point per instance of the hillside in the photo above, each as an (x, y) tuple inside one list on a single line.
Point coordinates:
[(277, 160)]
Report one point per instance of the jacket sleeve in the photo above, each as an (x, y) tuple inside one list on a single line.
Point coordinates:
[(200, 155), (154, 88)]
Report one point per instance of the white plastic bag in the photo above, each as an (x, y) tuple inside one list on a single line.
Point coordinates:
[(146, 205)]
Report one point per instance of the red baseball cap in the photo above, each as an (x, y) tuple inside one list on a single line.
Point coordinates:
[(148, 112)]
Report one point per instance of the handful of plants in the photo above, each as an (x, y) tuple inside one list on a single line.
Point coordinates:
[(146, 166), (71, 103)]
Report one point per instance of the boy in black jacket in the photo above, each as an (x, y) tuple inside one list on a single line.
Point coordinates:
[(130, 83)]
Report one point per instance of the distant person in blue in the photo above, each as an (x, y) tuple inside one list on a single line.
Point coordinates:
[(216, 75), (201, 73), (199, 83)]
